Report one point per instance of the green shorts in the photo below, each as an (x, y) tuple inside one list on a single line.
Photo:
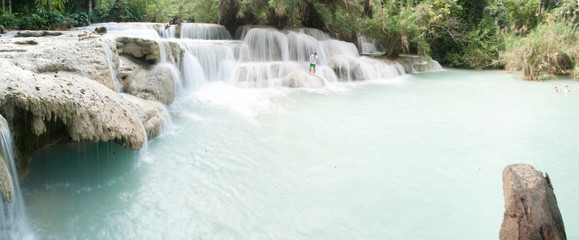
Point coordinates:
[(312, 65)]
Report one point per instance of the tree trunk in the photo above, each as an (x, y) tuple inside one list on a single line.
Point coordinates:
[(3, 6), (48, 6), (10, 5), (367, 8)]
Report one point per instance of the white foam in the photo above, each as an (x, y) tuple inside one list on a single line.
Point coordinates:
[(244, 101)]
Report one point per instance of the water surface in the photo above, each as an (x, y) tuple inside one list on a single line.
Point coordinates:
[(414, 158)]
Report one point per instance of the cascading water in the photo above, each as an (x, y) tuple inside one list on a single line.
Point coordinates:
[(263, 57), (369, 46), (112, 68), (13, 222)]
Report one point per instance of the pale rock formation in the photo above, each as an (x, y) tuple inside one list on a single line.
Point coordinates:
[(531, 210), (5, 182), (144, 49), (414, 63), (298, 79), (148, 82), (61, 90), (66, 54)]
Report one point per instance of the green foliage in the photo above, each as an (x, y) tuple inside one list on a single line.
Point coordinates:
[(122, 11), (49, 5), (31, 21), (205, 11), (398, 28), (526, 13), (9, 20), (80, 19), (551, 48)]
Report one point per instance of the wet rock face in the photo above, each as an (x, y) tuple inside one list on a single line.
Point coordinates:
[(5, 182), (531, 210), (148, 82), (2, 31), (145, 49)]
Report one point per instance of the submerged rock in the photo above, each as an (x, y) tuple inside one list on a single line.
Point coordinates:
[(531, 210)]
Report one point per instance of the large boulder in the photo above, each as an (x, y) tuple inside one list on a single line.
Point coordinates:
[(531, 210), (2, 30), (156, 82), (144, 49), (149, 51)]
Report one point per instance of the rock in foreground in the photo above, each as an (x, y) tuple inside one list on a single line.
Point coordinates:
[(531, 210)]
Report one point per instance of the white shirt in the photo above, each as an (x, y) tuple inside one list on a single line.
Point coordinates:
[(313, 59)]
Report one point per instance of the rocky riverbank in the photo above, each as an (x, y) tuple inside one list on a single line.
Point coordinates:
[(61, 87)]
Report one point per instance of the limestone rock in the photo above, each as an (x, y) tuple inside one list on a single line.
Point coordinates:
[(5, 182), (531, 210), (298, 79), (85, 109), (146, 49), (415, 63), (150, 51), (57, 55), (148, 82)]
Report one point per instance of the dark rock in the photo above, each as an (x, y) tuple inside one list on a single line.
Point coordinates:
[(27, 42), (37, 34), (101, 30), (531, 210)]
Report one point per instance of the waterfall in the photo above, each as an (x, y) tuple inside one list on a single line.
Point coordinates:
[(112, 67), (13, 223), (262, 57), (204, 31), (369, 46)]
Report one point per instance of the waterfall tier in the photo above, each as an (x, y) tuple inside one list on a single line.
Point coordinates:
[(261, 57), (13, 224)]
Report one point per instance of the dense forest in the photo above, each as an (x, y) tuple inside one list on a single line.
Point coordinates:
[(538, 37)]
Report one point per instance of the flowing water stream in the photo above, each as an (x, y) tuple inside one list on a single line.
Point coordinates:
[(416, 158)]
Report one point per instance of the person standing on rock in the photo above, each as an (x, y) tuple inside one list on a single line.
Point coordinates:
[(313, 61)]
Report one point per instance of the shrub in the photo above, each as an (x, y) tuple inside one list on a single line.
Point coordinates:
[(551, 48), (31, 21), (9, 20), (80, 19)]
